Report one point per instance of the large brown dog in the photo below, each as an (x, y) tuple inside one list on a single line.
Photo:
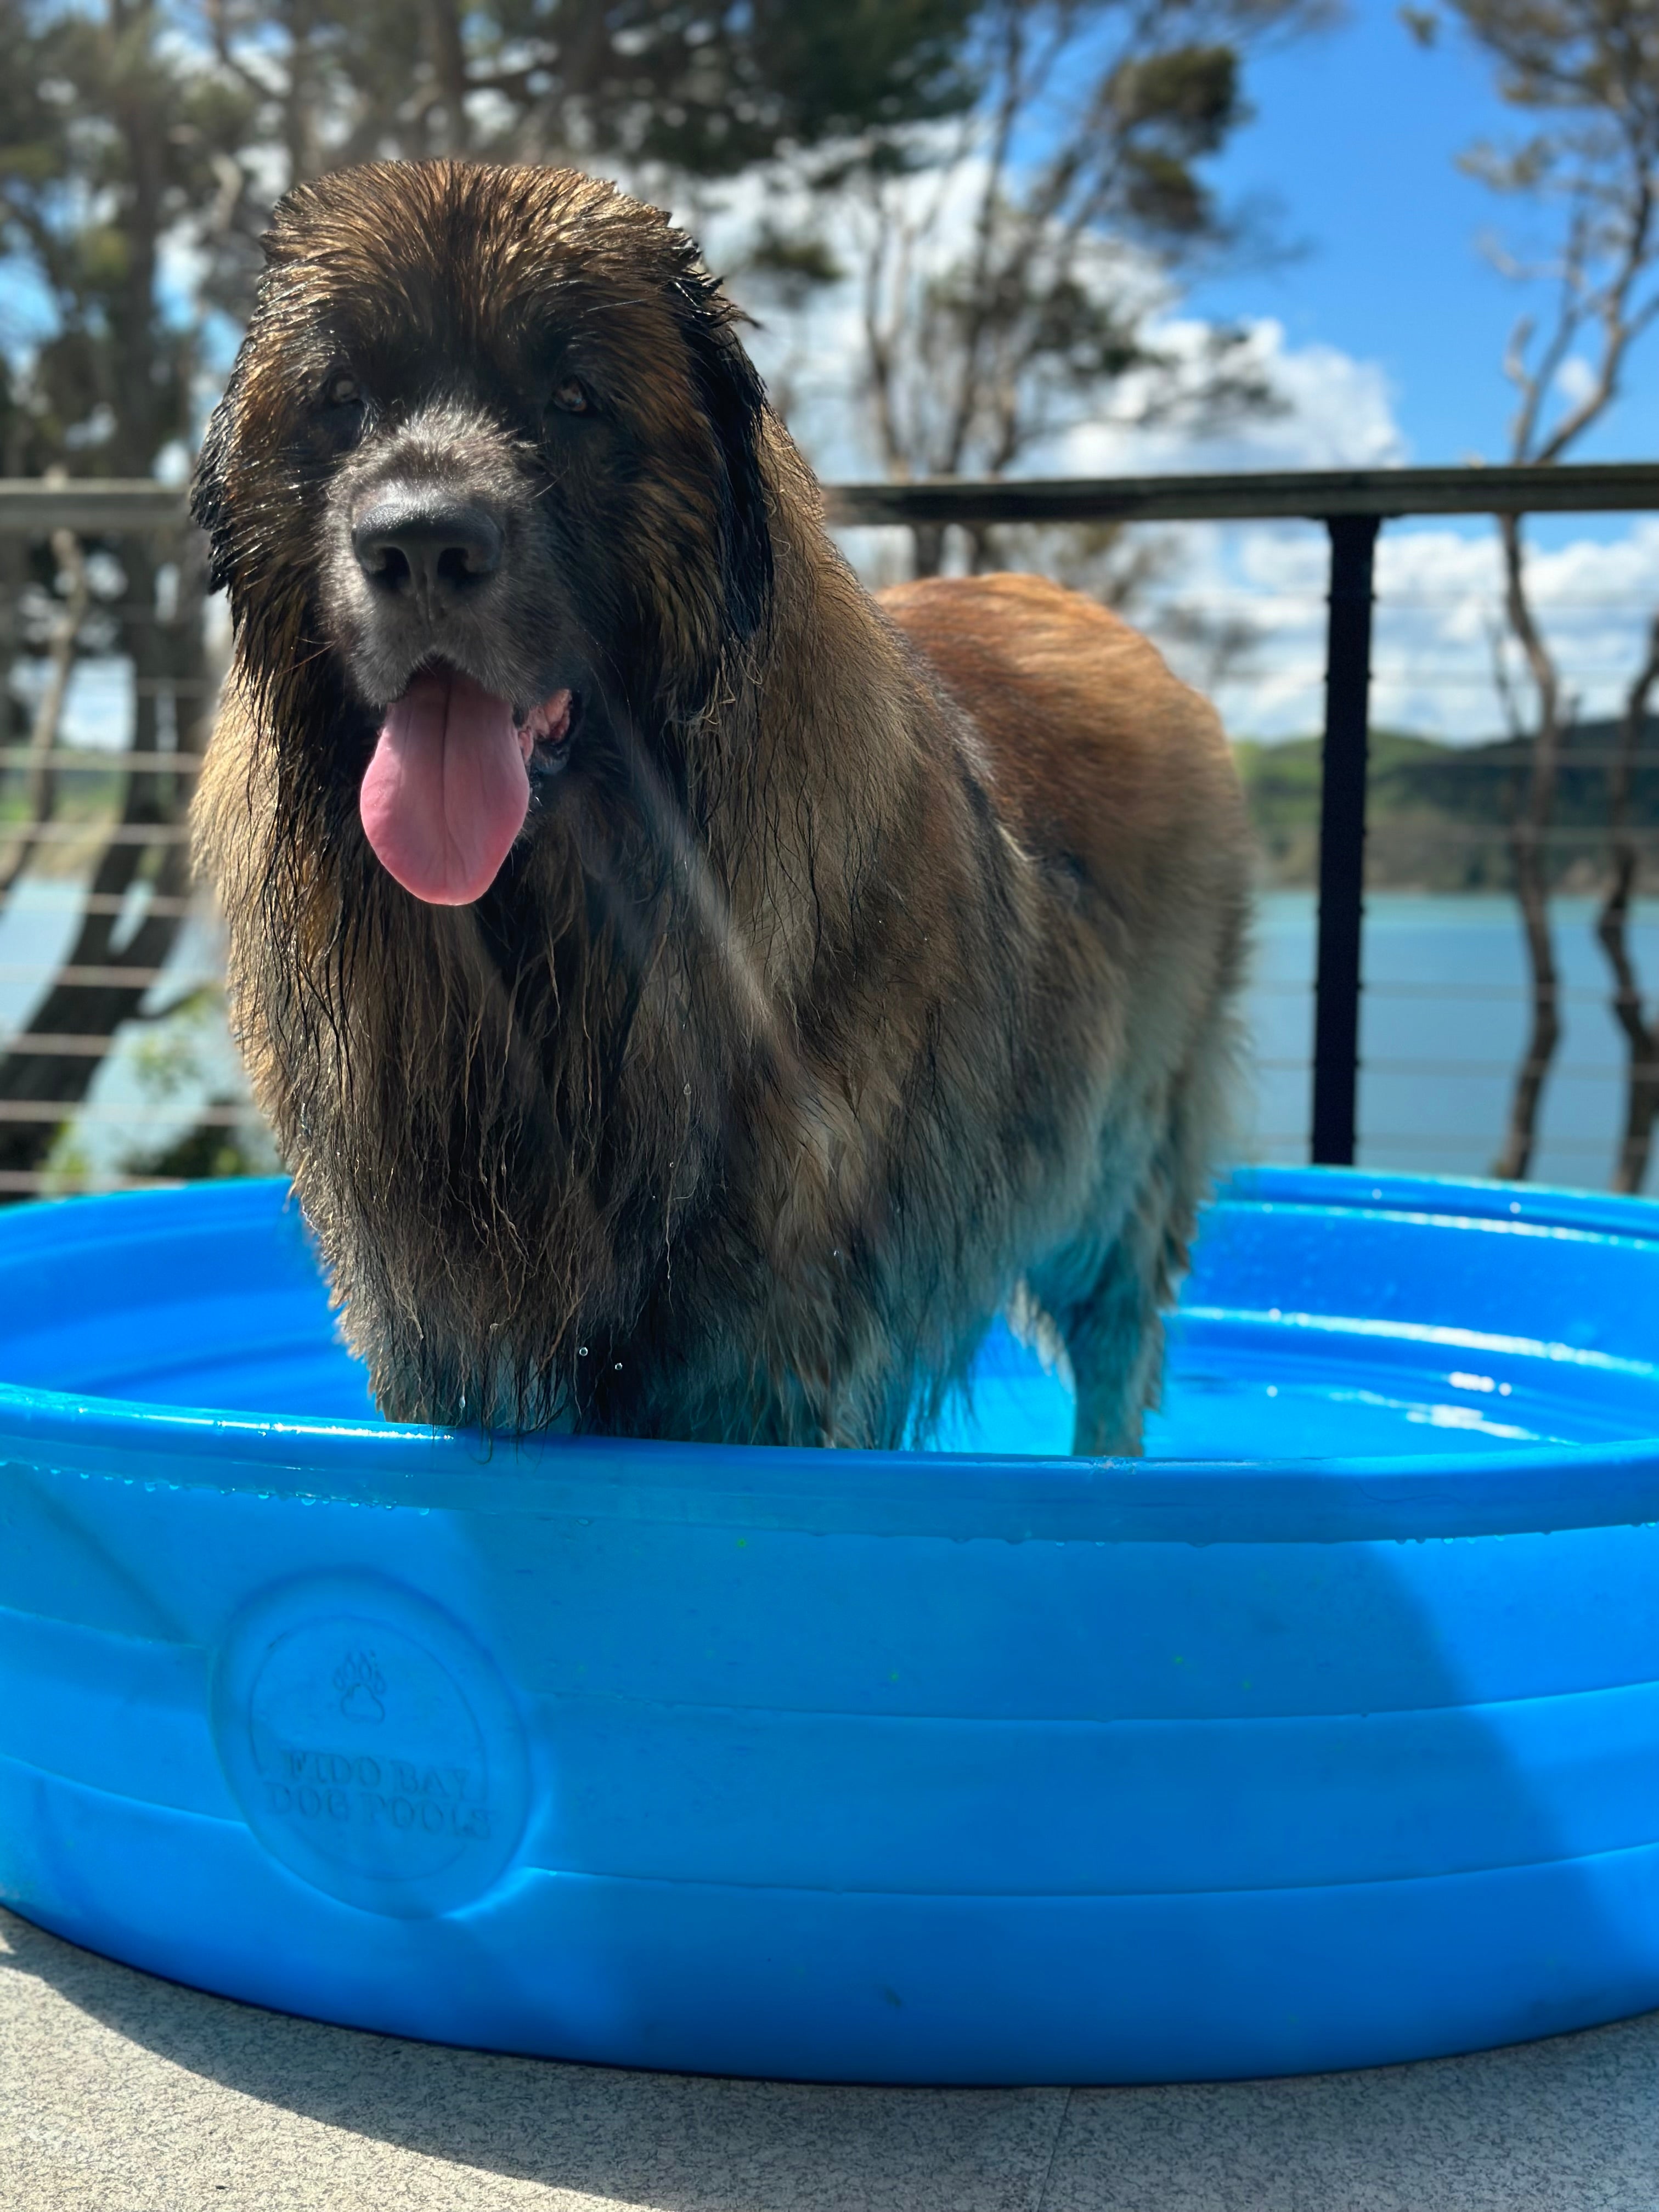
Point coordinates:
[(693, 998)]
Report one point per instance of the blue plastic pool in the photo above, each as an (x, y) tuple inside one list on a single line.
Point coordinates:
[(1330, 1735)]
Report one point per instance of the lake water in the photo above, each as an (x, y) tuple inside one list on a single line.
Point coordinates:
[(1443, 1021)]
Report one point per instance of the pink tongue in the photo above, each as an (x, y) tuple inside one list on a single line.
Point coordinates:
[(447, 791)]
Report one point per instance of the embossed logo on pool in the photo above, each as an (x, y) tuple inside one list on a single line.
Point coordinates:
[(371, 1745), (332, 1785)]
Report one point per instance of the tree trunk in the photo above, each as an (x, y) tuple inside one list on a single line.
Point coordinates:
[(1527, 847), (982, 548), (1641, 1042), (1514, 1162), (927, 544), (448, 58), (1612, 928)]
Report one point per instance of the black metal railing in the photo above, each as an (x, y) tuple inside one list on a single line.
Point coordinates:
[(1351, 504)]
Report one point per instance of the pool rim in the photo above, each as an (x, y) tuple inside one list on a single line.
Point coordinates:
[(1525, 1489)]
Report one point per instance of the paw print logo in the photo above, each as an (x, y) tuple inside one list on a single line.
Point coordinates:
[(362, 1686)]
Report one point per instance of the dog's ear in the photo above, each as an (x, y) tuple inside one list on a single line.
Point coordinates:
[(210, 504), (733, 399)]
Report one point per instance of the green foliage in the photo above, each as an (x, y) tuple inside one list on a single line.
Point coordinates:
[(111, 145), (791, 265), (803, 72), (173, 1056), (1598, 58), (205, 1153), (701, 88), (131, 127), (131, 130), (1174, 109), (181, 1057), (1422, 794)]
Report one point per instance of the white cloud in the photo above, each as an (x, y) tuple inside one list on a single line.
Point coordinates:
[(1331, 412), (1575, 379), (1439, 608)]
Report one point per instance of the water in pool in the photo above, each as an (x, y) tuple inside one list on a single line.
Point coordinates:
[(1308, 1329)]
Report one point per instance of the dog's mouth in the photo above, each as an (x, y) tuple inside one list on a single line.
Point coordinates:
[(447, 792), (547, 732)]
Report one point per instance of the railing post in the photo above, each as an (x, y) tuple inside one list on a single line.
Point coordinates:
[(1342, 838)]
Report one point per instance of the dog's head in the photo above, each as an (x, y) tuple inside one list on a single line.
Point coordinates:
[(485, 489)]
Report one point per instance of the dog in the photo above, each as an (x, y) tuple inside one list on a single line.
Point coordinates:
[(693, 997)]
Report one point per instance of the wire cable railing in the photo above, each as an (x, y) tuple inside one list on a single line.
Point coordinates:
[(1364, 654)]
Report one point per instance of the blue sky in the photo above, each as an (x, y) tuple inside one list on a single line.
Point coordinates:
[(1355, 138)]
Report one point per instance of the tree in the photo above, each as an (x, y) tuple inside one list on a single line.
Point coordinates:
[(1009, 267), (1588, 72)]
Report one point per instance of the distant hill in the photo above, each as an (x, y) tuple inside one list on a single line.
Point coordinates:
[(1439, 815)]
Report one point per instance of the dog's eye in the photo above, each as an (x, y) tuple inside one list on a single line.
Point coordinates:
[(343, 391), (571, 398)]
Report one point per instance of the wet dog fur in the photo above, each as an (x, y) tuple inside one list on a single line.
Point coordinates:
[(864, 969)]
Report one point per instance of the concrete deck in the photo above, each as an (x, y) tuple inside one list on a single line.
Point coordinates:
[(122, 2093)]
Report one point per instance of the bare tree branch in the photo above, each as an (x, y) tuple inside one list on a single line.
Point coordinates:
[(1016, 305), (1592, 67)]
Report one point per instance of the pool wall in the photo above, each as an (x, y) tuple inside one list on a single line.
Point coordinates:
[(857, 1767)]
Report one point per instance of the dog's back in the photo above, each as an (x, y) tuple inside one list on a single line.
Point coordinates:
[(1111, 772)]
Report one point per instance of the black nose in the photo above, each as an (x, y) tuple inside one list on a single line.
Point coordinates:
[(422, 544)]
